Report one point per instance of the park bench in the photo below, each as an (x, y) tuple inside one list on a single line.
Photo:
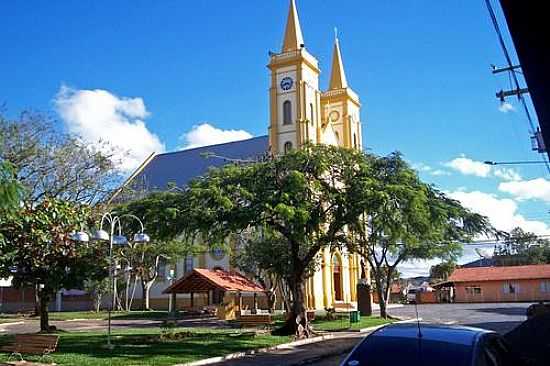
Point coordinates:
[(254, 320), (32, 344)]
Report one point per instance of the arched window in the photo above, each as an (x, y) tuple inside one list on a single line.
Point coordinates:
[(288, 147), (287, 113), (311, 114)]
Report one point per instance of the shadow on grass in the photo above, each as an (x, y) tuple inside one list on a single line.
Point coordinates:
[(143, 347)]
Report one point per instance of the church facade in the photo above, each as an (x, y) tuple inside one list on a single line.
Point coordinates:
[(300, 112)]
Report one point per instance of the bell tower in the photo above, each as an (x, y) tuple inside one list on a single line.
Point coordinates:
[(295, 99), (340, 106)]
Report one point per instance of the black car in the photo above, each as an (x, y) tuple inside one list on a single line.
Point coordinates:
[(431, 345)]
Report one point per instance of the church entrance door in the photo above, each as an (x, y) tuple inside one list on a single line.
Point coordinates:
[(337, 278)]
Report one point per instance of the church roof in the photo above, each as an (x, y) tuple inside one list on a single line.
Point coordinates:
[(293, 33), (204, 280), (178, 168), (338, 75)]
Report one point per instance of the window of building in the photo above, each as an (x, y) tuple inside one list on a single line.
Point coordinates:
[(355, 141), (473, 290), (545, 286), (311, 114), (288, 147), (287, 112), (510, 288), (337, 136)]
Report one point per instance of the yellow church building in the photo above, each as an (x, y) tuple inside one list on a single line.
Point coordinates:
[(300, 112)]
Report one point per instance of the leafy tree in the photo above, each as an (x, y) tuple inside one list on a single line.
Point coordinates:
[(39, 252), (406, 219), (263, 254), (97, 288), (522, 248), (304, 198), (442, 271), (10, 189), (157, 211), (51, 164)]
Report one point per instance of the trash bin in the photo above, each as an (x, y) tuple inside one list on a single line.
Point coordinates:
[(354, 317)]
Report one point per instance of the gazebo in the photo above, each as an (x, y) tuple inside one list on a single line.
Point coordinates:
[(217, 284)]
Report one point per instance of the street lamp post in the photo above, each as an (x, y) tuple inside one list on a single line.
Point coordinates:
[(119, 240)]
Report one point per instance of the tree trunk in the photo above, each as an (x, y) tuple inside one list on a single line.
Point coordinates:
[(381, 295), (143, 296), (297, 322), (36, 301), (98, 298), (148, 286), (43, 301), (271, 300)]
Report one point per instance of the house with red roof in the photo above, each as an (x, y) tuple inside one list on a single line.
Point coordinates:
[(501, 284)]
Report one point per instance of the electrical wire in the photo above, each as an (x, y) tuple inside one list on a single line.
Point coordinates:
[(509, 62), (533, 129)]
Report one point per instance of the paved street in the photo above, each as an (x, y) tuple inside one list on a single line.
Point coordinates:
[(32, 326), (501, 317)]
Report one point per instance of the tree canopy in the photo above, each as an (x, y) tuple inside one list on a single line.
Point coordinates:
[(38, 251), (522, 248), (303, 199), (52, 164), (404, 218)]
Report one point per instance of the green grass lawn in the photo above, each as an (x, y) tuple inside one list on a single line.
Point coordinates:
[(342, 323), (144, 347), (339, 322)]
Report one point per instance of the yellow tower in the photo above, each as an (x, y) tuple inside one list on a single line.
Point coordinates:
[(341, 107), (295, 99)]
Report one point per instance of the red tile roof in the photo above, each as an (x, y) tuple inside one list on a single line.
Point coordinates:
[(203, 280), (500, 273)]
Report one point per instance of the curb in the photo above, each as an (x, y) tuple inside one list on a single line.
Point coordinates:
[(231, 356), (9, 323)]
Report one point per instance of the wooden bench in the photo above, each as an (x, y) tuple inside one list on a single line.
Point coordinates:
[(32, 344), (254, 320)]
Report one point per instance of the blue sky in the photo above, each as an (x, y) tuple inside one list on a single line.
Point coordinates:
[(146, 74)]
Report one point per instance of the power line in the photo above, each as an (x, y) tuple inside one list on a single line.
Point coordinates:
[(533, 129), (509, 62)]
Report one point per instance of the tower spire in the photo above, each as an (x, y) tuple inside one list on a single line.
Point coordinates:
[(293, 33), (338, 76)]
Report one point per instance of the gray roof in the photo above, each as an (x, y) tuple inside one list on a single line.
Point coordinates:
[(178, 168)]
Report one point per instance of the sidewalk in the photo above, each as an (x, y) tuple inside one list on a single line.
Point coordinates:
[(305, 354)]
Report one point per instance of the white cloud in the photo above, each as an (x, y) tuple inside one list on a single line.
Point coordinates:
[(506, 174), (506, 107), (100, 116), (502, 213), (439, 172), (468, 166), (538, 189), (424, 168), (206, 135), (421, 167)]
